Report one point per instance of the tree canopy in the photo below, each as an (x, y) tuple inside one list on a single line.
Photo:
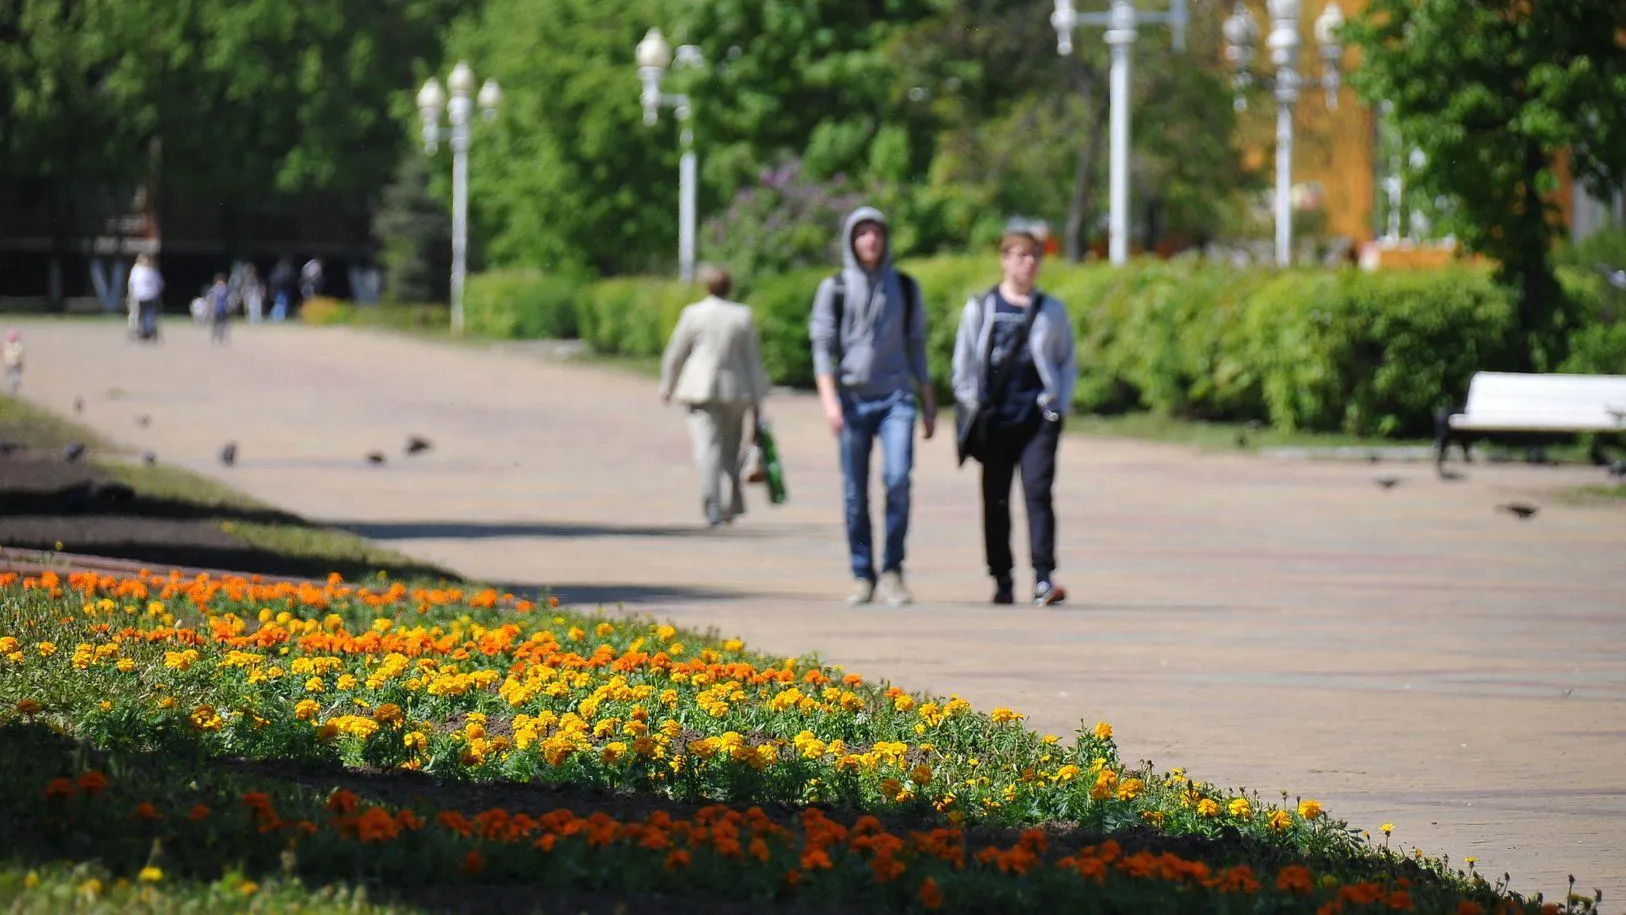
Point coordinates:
[(1494, 92)]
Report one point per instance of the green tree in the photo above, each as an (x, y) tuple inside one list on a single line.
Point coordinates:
[(234, 103), (415, 233), (1493, 91)]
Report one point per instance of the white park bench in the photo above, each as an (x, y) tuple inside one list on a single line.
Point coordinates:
[(1508, 402)]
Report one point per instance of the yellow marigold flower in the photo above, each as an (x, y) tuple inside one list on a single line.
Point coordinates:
[(603, 629), (1065, 774), (1208, 807), (314, 685), (733, 645), (45, 649), (664, 632), (347, 682), (1387, 828), (306, 709), (675, 649), (1309, 809), (150, 875), (891, 788), (32, 880), (205, 718), (903, 703), (28, 707), (91, 888), (389, 713), (1239, 807), (124, 665), (921, 774), (8, 644), (1102, 731), (576, 634), (1279, 820), (1005, 716), (1130, 788), (415, 740), (166, 703), (248, 887)]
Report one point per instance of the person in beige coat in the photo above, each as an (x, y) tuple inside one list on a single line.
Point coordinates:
[(713, 364)]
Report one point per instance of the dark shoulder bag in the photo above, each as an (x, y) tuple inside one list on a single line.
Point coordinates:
[(838, 303), (971, 423)]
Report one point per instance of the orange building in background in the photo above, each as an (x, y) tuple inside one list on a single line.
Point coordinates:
[(1336, 151)]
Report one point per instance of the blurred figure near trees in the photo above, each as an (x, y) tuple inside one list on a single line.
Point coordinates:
[(284, 286)]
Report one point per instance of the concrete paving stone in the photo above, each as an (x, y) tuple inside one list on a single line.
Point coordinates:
[(1409, 655)]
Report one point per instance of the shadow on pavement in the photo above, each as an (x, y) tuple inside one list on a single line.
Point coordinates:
[(610, 595), (475, 530)]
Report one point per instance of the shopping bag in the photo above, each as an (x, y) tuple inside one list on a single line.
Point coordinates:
[(772, 470), (751, 468)]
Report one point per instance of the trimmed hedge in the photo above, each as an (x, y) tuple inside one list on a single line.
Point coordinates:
[(521, 304), (1344, 350)]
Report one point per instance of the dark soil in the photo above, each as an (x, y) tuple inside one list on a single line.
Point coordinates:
[(50, 503)]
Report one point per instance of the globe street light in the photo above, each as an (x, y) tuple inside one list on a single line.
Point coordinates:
[(459, 107), (1121, 21), (1241, 34), (654, 57)]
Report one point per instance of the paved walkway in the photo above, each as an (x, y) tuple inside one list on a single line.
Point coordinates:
[(1409, 655)]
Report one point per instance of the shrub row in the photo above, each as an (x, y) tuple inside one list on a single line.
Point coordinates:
[(1366, 353)]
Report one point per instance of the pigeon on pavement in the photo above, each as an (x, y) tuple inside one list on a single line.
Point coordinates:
[(149, 458), (1387, 482), (1520, 510), (417, 444), (228, 454), (74, 451), (375, 457)]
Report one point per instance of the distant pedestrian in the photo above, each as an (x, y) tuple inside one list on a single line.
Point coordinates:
[(253, 294), (1014, 371), (868, 331), (310, 280), (713, 363), (218, 302), (14, 360), (145, 288), (284, 286)]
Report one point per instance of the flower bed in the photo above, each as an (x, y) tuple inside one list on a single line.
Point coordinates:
[(689, 765)]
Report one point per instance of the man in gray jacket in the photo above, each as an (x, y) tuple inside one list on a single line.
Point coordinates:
[(869, 360)]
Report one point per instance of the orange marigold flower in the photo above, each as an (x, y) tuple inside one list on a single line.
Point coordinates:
[(342, 800), (146, 811), (26, 707), (59, 789), (1469, 907), (677, 858), (1295, 878), (1399, 900), (198, 812), (473, 862), (930, 896), (92, 782)]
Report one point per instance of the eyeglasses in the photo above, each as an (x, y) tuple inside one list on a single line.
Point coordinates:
[(1021, 252)]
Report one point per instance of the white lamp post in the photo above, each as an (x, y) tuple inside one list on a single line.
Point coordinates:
[(1241, 34), (1121, 21), (654, 56), (459, 107)]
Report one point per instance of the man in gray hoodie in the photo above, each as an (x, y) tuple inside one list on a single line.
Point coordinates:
[(869, 360)]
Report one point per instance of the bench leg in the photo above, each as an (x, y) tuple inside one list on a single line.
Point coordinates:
[(1442, 435)]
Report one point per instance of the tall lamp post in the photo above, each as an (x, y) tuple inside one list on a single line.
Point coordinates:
[(654, 56), (1241, 34), (1121, 22), (459, 109)]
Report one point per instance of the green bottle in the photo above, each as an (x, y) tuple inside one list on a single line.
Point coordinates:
[(770, 462)]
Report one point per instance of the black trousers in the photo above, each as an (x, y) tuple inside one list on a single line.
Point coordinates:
[(1032, 448)]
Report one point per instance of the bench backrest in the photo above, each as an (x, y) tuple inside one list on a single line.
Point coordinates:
[(1515, 401)]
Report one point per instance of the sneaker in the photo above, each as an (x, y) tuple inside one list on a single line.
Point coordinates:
[(862, 593), (1045, 594), (1004, 592), (893, 590)]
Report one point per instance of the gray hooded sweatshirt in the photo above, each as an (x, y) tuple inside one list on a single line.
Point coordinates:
[(871, 354)]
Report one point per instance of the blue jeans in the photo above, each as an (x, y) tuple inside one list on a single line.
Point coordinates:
[(279, 307), (892, 420)]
